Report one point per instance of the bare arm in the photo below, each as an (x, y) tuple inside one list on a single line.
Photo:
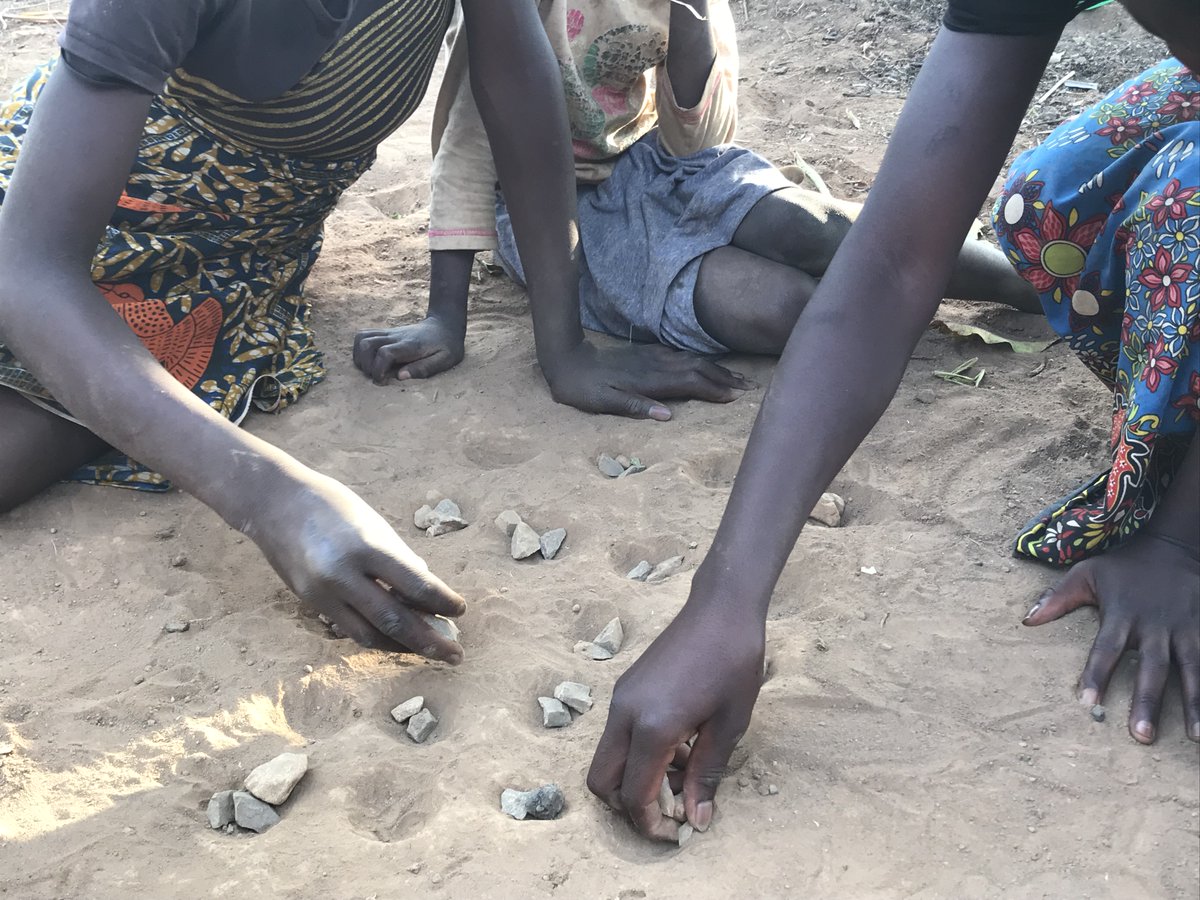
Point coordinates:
[(691, 52)]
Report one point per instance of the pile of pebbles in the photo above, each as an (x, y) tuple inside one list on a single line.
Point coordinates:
[(524, 541), (420, 722), (441, 519), (619, 466), (254, 807), (569, 697)]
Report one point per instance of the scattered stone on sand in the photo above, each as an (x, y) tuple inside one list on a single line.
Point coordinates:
[(868, 570), (220, 809), (546, 802), (551, 542), (408, 709), (1098, 713), (611, 637), (447, 628), (829, 510), (250, 812), (666, 798), (641, 571), (178, 562), (635, 468), (441, 519), (665, 570), (772, 789), (508, 521), (574, 695), (685, 833), (926, 397), (273, 782), (610, 466), (598, 653), (525, 542), (554, 713), (576, 608), (421, 726), (177, 627)]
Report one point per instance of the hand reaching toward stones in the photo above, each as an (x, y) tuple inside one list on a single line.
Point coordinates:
[(699, 679), (1148, 594), (422, 350)]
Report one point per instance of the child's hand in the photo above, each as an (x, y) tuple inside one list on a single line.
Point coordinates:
[(339, 555), (410, 351), (1148, 594), (633, 380)]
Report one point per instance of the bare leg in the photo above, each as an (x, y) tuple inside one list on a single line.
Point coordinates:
[(804, 229), (37, 448), (748, 302)]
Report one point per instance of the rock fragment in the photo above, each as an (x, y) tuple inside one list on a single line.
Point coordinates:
[(829, 510), (598, 653), (546, 802), (250, 812), (421, 726), (554, 713), (508, 521), (177, 627), (665, 570), (624, 461), (525, 542), (685, 833), (274, 781), (441, 519), (680, 814), (574, 695), (220, 809), (666, 798), (408, 709), (641, 571), (611, 637), (610, 466), (447, 628), (551, 542), (1098, 713)]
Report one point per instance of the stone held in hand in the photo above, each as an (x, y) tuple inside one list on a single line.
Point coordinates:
[(665, 570), (508, 521), (551, 542), (666, 798), (611, 637), (525, 542), (610, 466), (250, 812), (554, 713), (408, 709), (220, 809), (685, 834), (546, 802), (447, 628), (274, 781), (574, 695), (641, 571), (829, 510), (421, 726)]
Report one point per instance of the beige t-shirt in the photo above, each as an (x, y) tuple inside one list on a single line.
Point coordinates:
[(612, 54)]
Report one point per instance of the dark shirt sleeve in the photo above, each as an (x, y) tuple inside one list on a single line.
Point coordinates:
[(138, 42), (1018, 17)]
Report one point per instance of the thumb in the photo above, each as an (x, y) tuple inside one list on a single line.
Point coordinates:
[(427, 367), (635, 406), (1067, 596), (705, 769)]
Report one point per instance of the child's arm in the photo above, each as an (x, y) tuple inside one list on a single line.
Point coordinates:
[(696, 94), (328, 545)]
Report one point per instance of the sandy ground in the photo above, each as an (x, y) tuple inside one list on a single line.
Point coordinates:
[(923, 743)]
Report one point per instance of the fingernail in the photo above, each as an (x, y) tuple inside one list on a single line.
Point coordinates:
[(1088, 697), (660, 413), (1194, 731), (1145, 730), (704, 814), (1032, 612)]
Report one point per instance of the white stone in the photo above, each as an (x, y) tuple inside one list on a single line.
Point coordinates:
[(685, 833), (274, 781), (408, 709), (575, 695), (423, 517), (828, 510)]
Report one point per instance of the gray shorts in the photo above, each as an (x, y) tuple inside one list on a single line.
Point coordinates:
[(644, 232)]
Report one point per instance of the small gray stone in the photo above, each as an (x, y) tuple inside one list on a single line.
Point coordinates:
[(446, 525), (508, 521), (641, 571), (666, 798), (575, 695), (525, 542), (178, 562), (624, 461), (273, 782), (447, 628), (1098, 713), (408, 709), (250, 812), (447, 509), (665, 570), (552, 541), (685, 833), (680, 814), (611, 637), (423, 517), (598, 653), (546, 802), (421, 726), (610, 466), (828, 510), (177, 627), (554, 713), (220, 809), (926, 397), (634, 469)]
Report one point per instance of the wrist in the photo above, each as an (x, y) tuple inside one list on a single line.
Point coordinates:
[(720, 591), (560, 354)]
